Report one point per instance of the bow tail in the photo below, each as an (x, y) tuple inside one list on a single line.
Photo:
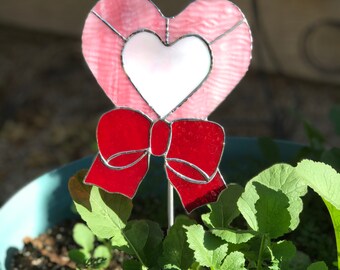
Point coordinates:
[(125, 182), (194, 195)]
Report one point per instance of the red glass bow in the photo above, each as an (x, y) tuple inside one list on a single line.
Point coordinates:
[(192, 151)]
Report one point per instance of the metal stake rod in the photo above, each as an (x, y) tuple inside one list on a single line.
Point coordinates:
[(171, 207)]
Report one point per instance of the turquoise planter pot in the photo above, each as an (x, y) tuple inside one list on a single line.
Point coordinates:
[(45, 201)]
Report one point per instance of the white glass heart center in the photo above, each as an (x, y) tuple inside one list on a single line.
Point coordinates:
[(166, 75)]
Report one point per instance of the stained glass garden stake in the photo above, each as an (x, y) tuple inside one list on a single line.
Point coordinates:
[(171, 210), (165, 76)]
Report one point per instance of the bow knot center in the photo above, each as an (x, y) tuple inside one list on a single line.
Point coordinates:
[(160, 136)]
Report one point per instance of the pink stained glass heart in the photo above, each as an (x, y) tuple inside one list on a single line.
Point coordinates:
[(219, 22)]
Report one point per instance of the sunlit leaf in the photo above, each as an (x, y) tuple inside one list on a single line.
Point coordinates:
[(83, 236), (233, 236), (234, 261), (106, 220), (322, 178), (103, 252), (209, 251), (325, 181), (277, 190)]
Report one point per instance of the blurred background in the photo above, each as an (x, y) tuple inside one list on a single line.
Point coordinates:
[(50, 103)]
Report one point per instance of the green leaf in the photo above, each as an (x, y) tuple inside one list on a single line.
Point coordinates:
[(318, 266), (322, 178), (280, 189), (282, 253), (272, 215), (209, 251), (269, 149), (232, 236), (132, 265), (195, 266), (80, 192), (78, 256), (145, 239), (283, 250), (335, 216), (176, 251), (105, 253), (234, 261), (325, 181), (334, 116), (225, 210), (332, 158), (119, 204), (107, 218), (300, 261), (83, 236)]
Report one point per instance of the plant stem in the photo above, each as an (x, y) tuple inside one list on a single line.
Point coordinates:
[(335, 214), (259, 260)]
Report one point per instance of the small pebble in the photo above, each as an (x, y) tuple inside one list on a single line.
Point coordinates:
[(59, 237), (37, 262)]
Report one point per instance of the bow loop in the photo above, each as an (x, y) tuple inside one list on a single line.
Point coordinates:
[(192, 161), (122, 131), (123, 160), (196, 144)]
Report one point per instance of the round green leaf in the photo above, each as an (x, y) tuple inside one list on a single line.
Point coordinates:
[(83, 236)]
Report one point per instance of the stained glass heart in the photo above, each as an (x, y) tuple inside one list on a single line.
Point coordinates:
[(166, 74), (218, 22)]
